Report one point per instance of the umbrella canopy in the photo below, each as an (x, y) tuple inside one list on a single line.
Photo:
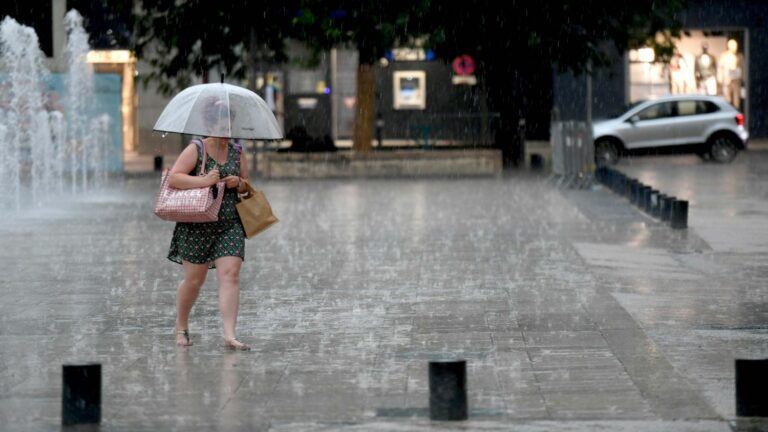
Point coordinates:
[(219, 110)]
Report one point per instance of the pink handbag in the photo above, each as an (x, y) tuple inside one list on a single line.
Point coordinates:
[(189, 205)]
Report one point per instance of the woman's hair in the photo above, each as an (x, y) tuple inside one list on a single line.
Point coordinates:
[(214, 109)]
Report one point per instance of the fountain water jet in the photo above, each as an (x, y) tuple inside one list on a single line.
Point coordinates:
[(21, 101), (40, 149), (79, 94)]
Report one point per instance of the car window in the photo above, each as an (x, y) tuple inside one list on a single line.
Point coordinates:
[(688, 107), (625, 108), (706, 107), (657, 111)]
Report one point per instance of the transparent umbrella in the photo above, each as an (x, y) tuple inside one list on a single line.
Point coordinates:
[(219, 110)]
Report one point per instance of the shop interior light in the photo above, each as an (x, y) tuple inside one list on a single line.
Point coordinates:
[(110, 56), (646, 55)]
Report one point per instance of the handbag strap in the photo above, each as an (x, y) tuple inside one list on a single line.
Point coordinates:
[(201, 145), (238, 149)]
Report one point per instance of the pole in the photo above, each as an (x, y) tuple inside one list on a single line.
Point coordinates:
[(589, 94)]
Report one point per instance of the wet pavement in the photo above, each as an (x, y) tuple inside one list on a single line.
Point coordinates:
[(574, 310)]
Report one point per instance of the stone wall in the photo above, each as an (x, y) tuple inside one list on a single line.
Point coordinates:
[(396, 163)]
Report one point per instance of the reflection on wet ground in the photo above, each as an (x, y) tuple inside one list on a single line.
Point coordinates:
[(574, 310)]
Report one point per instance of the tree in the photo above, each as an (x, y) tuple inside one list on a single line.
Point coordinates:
[(109, 23), (516, 43), (183, 40), (371, 27)]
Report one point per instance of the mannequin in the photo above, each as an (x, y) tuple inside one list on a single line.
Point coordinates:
[(270, 92), (729, 73), (706, 71), (681, 74)]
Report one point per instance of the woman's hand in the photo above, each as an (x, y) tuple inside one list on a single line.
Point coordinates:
[(212, 177), (232, 182)]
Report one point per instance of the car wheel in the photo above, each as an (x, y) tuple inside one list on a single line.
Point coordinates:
[(723, 148), (606, 153)]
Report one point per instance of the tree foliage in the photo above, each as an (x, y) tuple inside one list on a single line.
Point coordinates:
[(569, 33), (515, 42), (183, 39), (109, 23), (371, 27)]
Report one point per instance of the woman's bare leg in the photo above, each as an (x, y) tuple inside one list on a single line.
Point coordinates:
[(186, 295), (228, 271)]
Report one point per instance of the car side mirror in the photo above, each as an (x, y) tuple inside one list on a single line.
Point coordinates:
[(634, 119)]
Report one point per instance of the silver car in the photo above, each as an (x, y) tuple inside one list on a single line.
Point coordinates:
[(706, 125)]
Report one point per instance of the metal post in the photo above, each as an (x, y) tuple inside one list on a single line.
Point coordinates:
[(81, 394), (751, 382), (666, 208), (679, 216), (379, 129), (650, 200), (641, 196), (634, 191), (537, 161), (589, 94), (658, 205), (448, 390)]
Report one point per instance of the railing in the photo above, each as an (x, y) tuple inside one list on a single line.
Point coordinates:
[(573, 153), (474, 130)]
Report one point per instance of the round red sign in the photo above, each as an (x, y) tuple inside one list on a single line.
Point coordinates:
[(463, 65)]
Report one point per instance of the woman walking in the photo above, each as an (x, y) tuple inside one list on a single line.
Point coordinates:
[(221, 244)]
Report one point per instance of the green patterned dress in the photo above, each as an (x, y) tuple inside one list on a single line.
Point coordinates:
[(202, 243)]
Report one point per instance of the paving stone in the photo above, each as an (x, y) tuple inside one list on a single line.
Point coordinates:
[(573, 309)]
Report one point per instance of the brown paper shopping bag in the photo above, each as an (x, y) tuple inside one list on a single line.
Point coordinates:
[(255, 211)]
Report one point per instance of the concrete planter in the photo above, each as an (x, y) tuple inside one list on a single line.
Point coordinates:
[(394, 163)]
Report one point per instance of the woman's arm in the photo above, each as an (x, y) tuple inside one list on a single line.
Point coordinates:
[(179, 176)]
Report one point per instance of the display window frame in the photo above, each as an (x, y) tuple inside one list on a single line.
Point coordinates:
[(691, 72)]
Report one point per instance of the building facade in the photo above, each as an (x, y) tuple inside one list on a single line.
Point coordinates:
[(424, 101), (418, 101)]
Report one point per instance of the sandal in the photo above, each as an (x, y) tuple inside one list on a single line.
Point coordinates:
[(184, 332), (236, 345)]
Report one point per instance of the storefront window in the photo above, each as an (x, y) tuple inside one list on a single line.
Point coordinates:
[(708, 62)]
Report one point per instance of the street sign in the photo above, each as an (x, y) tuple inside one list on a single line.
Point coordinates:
[(463, 65)]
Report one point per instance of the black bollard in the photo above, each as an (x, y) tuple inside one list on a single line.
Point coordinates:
[(628, 188), (650, 200), (644, 192), (613, 180), (751, 382), (601, 175), (666, 208), (642, 196), (656, 212), (678, 218), (537, 161), (448, 390), (634, 190), (81, 394), (158, 163), (621, 184)]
